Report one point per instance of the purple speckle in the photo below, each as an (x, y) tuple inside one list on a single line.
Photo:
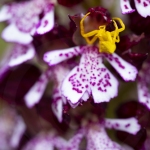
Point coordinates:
[(127, 125)]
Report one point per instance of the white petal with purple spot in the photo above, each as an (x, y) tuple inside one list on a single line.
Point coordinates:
[(73, 87), (72, 144), (90, 76), (57, 106), (129, 125), (126, 7), (143, 7), (127, 71), (57, 56), (20, 54), (36, 92), (12, 34), (97, 139), (47, 22), (106, 85), (144, 94), (4, 14)]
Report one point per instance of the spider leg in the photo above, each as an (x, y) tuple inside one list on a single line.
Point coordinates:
[(89, 34), (121, 23)]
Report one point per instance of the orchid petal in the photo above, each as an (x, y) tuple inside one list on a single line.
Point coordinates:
[(97, 139), (12, 34), (47, 22), (106, 85), (129, 125), (144, 94), (127, 71), (36, 92), (72, 144), (57, 106), (143, 7), (18, 132), (4, 14), (73, 86), (57, 56), (125, 7), (85, 96), (20, 54), (90, 76)]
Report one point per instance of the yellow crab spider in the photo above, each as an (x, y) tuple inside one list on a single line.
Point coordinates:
[(107, 39)]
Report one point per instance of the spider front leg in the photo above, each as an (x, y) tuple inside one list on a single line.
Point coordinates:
[(90, 34), (121, 23)]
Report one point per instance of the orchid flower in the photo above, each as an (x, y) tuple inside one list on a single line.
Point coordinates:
[(142, 6), (94, 133), (91, 76), (24, 20)]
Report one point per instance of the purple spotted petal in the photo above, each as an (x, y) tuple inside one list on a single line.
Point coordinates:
[(144, 94), (74, 87), (18, 132), (97, 139), (57, 107), (90, 76), (57, 56), (126, 7), (41, 142), (129, 125), (47, 22), (143, 7), (4, 14), (12, 34), (127, 71), (36, 92), (20, 54), (72, 144)]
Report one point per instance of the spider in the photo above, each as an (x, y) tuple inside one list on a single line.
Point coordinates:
[(107, 39)]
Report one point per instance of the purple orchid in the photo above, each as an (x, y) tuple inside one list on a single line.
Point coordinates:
[(24, 20), (97, 137), (91, 76), (94, 133), (142, 6)]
